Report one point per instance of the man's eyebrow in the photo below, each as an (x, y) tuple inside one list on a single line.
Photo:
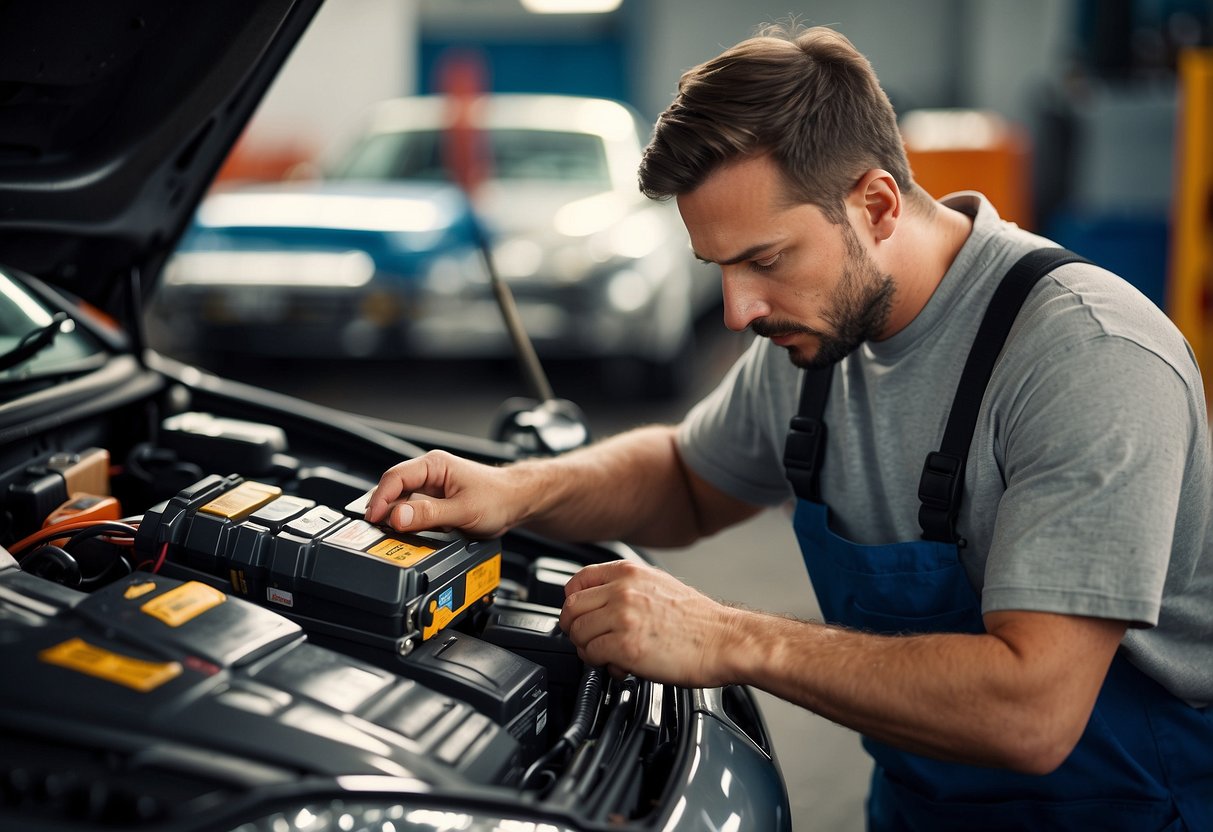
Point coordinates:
[(748, 254)]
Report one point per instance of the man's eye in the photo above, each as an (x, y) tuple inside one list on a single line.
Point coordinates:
[(765, 264)]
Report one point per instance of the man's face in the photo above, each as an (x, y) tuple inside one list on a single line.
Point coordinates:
[(788, 273)]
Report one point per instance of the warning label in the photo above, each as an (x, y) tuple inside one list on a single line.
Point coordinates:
[(183, 603), (136, 674), (399, 552)]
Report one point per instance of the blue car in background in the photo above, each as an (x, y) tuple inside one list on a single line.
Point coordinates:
[(379, 256)]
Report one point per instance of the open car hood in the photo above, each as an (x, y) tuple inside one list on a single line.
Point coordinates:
[(114, 118)]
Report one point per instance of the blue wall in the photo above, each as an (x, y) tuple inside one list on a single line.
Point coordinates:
[(583, 67)]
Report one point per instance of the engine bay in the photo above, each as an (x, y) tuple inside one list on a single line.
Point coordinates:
[(186, 620)]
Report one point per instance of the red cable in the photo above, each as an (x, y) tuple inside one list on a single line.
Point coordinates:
[(160, 559)]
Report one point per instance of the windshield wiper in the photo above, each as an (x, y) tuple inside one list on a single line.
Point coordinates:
[(34, 342)]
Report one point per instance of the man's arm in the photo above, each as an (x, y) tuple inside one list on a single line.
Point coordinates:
[(1018, 696), (632, 487)]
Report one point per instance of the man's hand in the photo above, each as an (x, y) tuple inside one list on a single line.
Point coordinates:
[(442, 491), (638, 619)]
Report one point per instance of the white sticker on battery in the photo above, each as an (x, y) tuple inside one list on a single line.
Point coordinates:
[(280, 596), (357, 534)]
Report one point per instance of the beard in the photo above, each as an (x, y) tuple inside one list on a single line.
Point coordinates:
[(859, 310)]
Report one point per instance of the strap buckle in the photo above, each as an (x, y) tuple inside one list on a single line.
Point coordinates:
[(802, 454), (939, 491)]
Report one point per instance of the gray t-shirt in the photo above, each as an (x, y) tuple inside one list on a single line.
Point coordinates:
[(1089, 482)]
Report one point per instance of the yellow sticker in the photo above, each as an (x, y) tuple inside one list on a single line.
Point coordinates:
[(399, 552), (484, 578), (138, 590), (439, 618), (183, 603), (477, 583), (137, 674), (242, 500)]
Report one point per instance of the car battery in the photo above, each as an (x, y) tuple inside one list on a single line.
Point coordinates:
[(510, 690), (334, 574)]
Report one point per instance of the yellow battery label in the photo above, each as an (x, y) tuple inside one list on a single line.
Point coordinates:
[(477, 583), (137, 674), (399, 552), (138, 590), (242, 500), (484, 578), (183, 603)]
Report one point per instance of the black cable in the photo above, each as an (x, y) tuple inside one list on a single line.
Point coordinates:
[(99, 527), (103, 527), (584, 710), (608, 741), (63, 568), (103, 577)]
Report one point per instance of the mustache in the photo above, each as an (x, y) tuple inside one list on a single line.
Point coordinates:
[(766, 328)]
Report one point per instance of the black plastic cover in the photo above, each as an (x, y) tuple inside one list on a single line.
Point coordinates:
[(181, 663)]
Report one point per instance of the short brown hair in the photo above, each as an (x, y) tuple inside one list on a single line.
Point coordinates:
[(810, 99)]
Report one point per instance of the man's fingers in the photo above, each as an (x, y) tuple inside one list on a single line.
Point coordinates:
[(402, 480), (401, 516), (580, 604), (598, 574), (391, 486), (419, 513)]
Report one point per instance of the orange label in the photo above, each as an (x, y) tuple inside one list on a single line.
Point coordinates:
[(399, 552), (183, 603), (78, 655), (477, 583), (484, 578), (138, 590)]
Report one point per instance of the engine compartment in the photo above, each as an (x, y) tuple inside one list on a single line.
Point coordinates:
[(204, 615)]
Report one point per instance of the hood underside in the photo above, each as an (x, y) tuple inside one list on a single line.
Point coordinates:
[(114, 117)]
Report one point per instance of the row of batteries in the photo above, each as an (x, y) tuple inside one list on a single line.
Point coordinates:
[(353, 579)]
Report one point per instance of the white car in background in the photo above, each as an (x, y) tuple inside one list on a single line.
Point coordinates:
[(379, 255)]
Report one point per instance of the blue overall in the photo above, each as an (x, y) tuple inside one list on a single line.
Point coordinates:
[(1145, 761)]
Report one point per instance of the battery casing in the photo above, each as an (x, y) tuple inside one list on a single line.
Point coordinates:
[(334, 574)]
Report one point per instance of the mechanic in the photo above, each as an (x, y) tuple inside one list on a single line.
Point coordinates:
[(1040, 657)]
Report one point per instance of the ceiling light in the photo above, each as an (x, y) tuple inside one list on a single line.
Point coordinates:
[(570, 6)]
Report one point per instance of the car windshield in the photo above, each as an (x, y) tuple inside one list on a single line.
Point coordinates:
[(516, 154), (23, 318)]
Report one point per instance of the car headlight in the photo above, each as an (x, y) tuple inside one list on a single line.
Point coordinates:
[(344, 814), (517, 258), (451, 274)]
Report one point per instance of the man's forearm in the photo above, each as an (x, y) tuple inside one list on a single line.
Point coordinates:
[(987, 699), (630, 487)]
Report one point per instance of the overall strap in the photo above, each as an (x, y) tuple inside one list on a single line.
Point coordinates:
[(942, 482), (806, 443)]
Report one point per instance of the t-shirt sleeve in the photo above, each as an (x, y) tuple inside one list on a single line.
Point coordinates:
[(1094, 458), (730, 437)]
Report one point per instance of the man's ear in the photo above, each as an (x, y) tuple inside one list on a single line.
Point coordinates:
[(877, 201)]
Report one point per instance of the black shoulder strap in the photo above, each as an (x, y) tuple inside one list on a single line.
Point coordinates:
[(806, 443), (942, 482)]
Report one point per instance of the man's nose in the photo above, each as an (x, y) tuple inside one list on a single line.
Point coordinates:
[(743, 303)]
